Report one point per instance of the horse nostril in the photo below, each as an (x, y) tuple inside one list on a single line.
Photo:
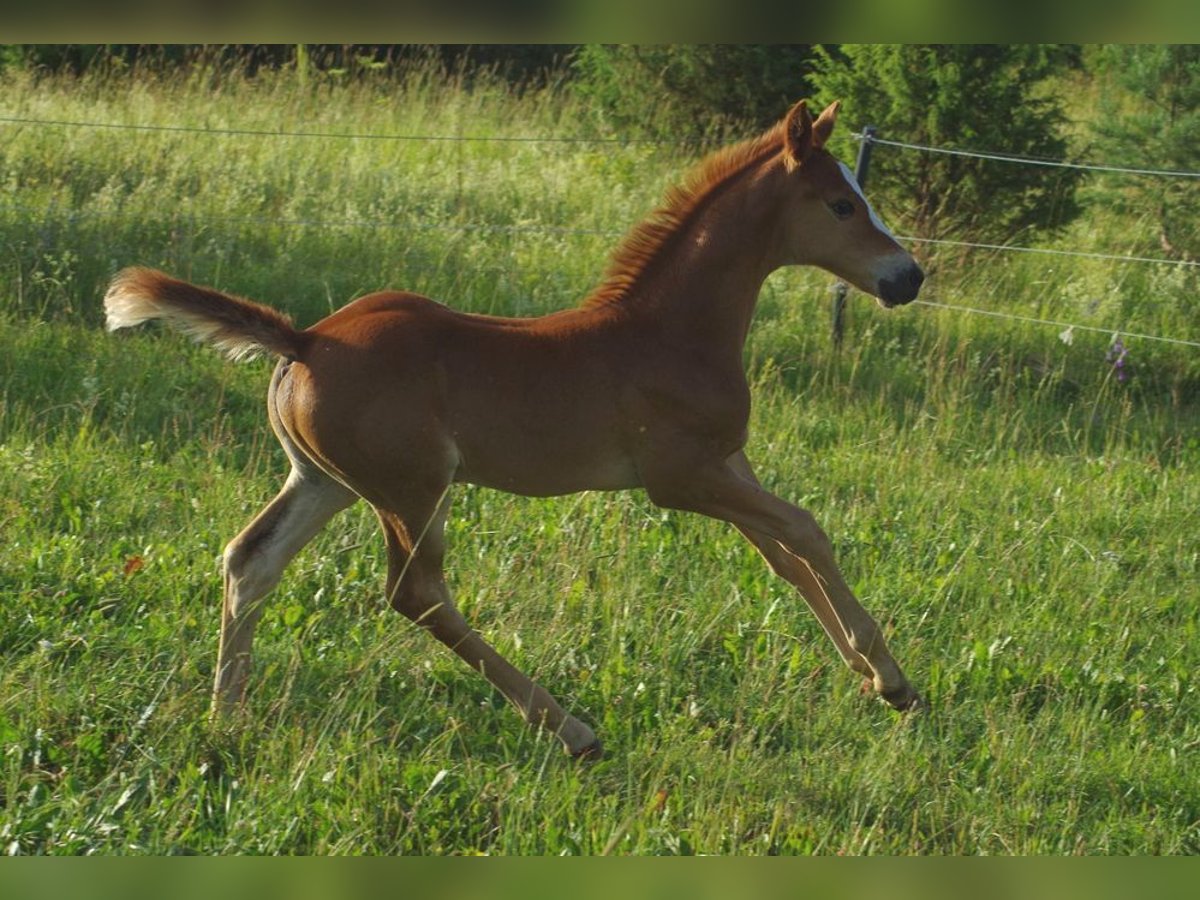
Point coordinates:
[(903, 287)]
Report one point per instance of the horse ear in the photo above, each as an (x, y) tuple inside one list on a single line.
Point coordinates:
[(823, 127), (798, 135)]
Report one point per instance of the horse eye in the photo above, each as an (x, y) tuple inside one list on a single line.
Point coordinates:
[(843, 209)]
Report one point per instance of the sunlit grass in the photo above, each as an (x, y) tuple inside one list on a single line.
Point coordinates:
[(1021, 522)]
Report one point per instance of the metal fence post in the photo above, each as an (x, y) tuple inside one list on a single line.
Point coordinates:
[(841, 288)]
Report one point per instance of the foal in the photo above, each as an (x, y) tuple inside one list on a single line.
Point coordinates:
[(395, 397)]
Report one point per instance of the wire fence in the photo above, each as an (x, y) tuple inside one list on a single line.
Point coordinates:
[(590, 232), (868, 136), (561, 230), (1049, 251), (1068, 327), (119, 214), (1028, 160), (333, 135)]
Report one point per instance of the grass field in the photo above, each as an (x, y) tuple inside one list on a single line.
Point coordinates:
[(1023, 522)]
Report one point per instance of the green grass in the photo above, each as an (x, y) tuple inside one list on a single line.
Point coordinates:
[(1022, 523)]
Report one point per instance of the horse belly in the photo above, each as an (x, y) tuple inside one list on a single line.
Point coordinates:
[(536, 464), (539, 437)]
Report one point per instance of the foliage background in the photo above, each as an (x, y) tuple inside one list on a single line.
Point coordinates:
[(1159, 121), (966, 97)]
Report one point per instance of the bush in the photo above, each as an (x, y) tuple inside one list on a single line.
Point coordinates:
[(971, 97), (11, 55), (690, 92), (1158, 129)]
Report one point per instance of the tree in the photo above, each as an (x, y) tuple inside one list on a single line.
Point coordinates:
[(968, 97), (691, 91), (1159, 128)]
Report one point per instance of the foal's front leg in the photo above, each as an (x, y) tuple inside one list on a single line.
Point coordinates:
[(797, 549), (799, 572)]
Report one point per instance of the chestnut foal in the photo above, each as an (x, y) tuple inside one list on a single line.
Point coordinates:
[(395, 397)]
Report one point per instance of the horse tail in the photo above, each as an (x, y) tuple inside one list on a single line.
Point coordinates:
[(241, 328)]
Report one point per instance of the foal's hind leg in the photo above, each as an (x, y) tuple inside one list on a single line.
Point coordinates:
[(254, 562), (416, 587), (729, 491)]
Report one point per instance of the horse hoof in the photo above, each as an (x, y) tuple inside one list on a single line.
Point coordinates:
[(906, 700), (591, 753)]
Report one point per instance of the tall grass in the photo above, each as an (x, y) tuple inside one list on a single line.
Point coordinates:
[(1022, 522)]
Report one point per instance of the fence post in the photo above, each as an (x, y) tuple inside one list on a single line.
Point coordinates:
[(840, 289)]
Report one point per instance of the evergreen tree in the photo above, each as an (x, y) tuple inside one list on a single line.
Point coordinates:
[(969, 97), (1158, 127), (691, 91)]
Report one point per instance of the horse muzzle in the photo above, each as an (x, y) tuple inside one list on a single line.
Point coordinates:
[(901, 288)]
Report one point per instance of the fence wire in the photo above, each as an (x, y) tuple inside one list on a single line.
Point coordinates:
[(335, 135), (1066, 326), (1028, 160), (566, 230), (1069, 327)]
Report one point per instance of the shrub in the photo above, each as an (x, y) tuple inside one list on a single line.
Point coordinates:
[(972, 97), (689, 92), (1159, 128)]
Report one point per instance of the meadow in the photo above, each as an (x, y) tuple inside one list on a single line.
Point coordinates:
[(1021, 520)]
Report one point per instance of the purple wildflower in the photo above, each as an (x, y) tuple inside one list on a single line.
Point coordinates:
[(1116, 357)]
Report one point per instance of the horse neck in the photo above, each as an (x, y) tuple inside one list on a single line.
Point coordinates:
[(704, 290)]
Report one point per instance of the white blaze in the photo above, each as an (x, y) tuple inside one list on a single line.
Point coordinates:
[(853, 182)]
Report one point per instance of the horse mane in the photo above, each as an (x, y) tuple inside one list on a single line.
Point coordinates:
[(645, 241)]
